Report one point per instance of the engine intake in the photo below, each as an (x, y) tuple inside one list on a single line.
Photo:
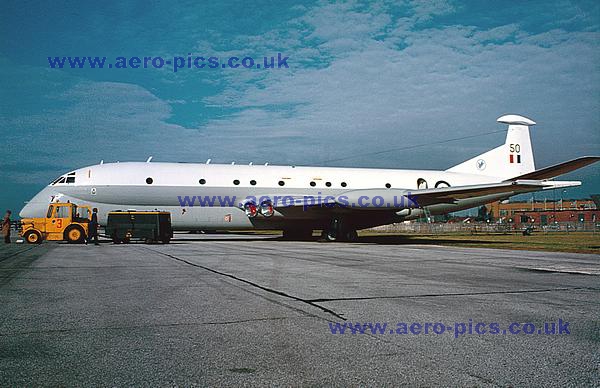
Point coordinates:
[(266, 208), (250, 209)]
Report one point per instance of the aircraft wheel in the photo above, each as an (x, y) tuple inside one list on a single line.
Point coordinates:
[(330, 235), (351, 235), (33, 237), (74, 234), (338, 233)]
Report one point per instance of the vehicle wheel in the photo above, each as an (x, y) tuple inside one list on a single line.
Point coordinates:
[(116, 240), (166, 240), (33, 237), (125, 240), (74, 234), (149, 241)]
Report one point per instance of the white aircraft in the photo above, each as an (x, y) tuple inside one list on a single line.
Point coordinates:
[(297, 200)]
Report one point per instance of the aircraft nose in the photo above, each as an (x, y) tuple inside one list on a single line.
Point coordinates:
[(34, 210), (38, 205)]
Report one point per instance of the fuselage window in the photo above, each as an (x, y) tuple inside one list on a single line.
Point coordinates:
[(328, 184), (202, 181), (344, 184), (236, 182), (387, 185), (313, 183), (442, 184), (421, 184), (253, 182), (281, 183), (149, 180)]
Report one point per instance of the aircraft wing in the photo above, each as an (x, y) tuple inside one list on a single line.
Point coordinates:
[(559, 169), (401, 199), (397, 199)]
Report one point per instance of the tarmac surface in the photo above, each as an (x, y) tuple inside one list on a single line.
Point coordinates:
[(214, 310)]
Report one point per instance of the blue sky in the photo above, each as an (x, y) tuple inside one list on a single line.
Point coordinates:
[(363, 77)]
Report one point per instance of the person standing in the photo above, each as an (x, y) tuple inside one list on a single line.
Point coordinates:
[(93, 227), (6, 227)]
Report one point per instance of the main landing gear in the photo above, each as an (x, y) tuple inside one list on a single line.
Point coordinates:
[(339, 231)]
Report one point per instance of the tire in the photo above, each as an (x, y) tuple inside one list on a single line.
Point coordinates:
[(332, 235), (166, 240), (328, 235), (74, 234), (351, 235), (33, 237)]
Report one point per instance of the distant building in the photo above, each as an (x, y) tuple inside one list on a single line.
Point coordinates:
[(546, 212)]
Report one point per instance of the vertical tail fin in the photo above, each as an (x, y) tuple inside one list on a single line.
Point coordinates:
[(513, 158)]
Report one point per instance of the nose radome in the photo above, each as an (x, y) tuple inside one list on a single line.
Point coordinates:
[(38, 205), (33, 210)]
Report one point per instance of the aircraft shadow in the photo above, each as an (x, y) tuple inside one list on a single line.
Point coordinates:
[(415, 240)]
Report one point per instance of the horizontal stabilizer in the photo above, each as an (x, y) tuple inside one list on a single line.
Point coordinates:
[(558, 169)]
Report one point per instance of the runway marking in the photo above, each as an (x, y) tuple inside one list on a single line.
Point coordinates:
[(453, 294), (267, 289), (593, 272), (128, 327), (19, 252)]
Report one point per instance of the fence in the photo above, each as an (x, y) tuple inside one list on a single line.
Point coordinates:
[(483, 228)]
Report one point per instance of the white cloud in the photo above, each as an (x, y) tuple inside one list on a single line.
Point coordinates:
[(444, 82), (373, 82)]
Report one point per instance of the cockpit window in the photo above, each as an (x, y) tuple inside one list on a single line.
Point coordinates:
[(69, 178), (50, 209)]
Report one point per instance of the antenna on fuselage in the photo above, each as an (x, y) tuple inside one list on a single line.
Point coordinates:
[(250, 164), (102, 161), (232, 163), (149, 159), (266, 164), (208, 161)]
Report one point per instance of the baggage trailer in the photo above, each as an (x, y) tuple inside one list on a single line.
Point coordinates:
[(148, 226)]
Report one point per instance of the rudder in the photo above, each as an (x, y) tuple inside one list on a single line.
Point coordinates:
[(513, 158)]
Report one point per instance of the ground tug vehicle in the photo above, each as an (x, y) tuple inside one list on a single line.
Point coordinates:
[(148, 226), (64, 221)]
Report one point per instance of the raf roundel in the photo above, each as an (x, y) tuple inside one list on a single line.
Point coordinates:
[(481, 164)]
